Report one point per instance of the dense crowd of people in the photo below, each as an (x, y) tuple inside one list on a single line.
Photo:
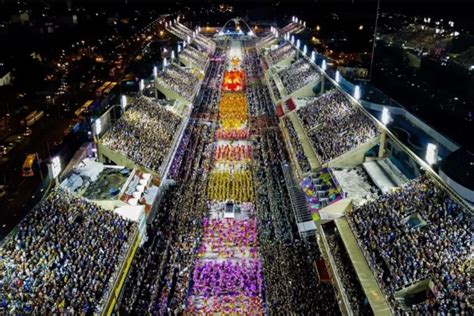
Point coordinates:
[(251, 64), (64, 258), (281, 53), (418, 232), (299, 74), (160, 274), (205, 43), (180, 80), (291, 280), (144, 134), (334, 126), (233, 110), (265, 40), (291, 28), (259, 100), (197, 58), (275, 90), (236, 186), (301, 158), (358, 301)]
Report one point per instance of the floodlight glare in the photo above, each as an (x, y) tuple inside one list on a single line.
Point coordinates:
[(338, 76), (142, 85), (124, 101), (431, 154), (385, 116), (98, 126), (357, 92), (324, 65), (313, 56), (155, 71)]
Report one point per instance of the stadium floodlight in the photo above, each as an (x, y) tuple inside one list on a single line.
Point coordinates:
[(155, 72), (304, 23), (298, 42), (324, 65), (165, 63), (173, 56), (142, 85), (98, 126), (338, 76), (357, 92), (293, 19), (313, 56), (385, 116), (296, 20), (293, 39), (179, 48), (431, 154), (188, 38), (124, 101), (305, 49)]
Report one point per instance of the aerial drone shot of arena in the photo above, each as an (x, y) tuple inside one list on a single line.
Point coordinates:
[(231, 161)]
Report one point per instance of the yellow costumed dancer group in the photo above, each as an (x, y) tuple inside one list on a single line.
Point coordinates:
[(236, 186), (233, 110)]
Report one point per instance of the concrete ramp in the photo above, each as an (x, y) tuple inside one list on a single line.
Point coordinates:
[(364, 273)]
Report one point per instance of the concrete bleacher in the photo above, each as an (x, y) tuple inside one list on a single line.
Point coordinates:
[(384, 174)]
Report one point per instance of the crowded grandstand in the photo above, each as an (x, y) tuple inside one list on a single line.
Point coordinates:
[(257, 213)]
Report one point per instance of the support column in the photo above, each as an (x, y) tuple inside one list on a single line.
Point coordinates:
[(382, 142)]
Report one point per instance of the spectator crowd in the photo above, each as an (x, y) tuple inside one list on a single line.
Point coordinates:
[(281, 53), (415, 233), (63, 259), (334, 126), (144, 134), (180, 80), (299, 74)]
